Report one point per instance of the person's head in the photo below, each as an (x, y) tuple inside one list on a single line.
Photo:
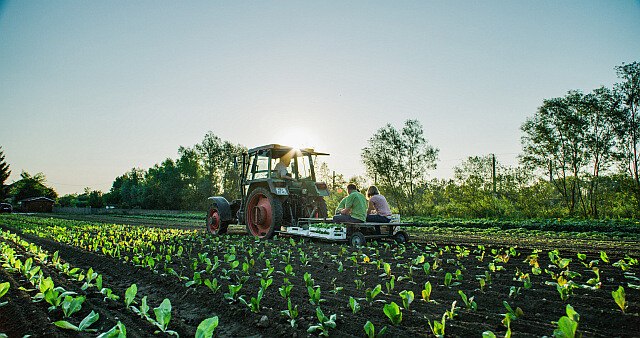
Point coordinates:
[(373, 190), (351, 187), (285, 160)]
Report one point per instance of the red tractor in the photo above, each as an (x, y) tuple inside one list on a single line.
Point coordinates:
[(270, 200)]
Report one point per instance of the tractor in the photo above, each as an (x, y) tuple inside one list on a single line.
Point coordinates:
[(270, 200)]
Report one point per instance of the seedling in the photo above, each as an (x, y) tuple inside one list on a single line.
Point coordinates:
[(4, 288), (83, 326), (314, 295), (130, 295), (371, 294), (468, 302), (426, 292), (212, 284), (232, 295), (391, 284), (453, 312), (567, 325), (117, 331), (619, 298), (143, 311), (163, 317), (71, 305), (354, 305), (291, 312), (254, 303), (324, 325), (437, 328), (407, 298), (370, 330), (393, 312)]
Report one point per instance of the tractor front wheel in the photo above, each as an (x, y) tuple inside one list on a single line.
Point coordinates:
[(263, 213), (214, 224)]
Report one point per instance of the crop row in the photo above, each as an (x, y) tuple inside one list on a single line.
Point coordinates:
[(69, 302), (385, 280)]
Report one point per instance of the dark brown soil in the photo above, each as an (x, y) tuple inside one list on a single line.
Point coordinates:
[(541, 304)]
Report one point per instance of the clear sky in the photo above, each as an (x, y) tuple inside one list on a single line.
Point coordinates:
[(90, 89)]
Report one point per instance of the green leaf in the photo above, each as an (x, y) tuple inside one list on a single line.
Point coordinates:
[(66, 325), (488, 334), (207, 327), (619, 297), (393, 312), (117, 331), (4, 288), (130, 294), (88, 320), (163, 314), (369, 329), (566, 327)]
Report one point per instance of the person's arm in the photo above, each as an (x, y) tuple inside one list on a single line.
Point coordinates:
[(371, 208), (340, 206), (348, 204)]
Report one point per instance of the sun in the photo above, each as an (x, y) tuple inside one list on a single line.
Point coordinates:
[(297, 138)]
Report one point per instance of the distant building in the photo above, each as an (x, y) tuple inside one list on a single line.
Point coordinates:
[(36, 204)]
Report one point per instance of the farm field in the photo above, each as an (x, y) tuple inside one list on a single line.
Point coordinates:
[(522, 281)]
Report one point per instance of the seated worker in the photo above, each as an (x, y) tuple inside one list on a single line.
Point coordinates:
[(281, 168), (353, 208), (378, 211)]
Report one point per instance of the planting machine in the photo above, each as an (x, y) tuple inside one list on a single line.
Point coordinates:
[(293, 204)]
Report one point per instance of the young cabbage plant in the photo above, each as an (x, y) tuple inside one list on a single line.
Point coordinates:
[(118, 331), (371, 294), (325, 323), (207, 327), (232, 295), (619, 298), (4, 288), (393, 312), (407, 298), (437, 328), (130, 295), (354, 305), (83, 326), (212, 284), (254, 303), (71, 305), (370, 330), (314, 295), (426, 292), (291, 312), (163, 317), (285, 290), (143, 311), (567, 325), (468, 302)]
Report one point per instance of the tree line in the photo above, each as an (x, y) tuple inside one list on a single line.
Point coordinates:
[(579, 158)]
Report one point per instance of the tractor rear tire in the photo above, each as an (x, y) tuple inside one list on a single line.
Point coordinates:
[(263, 213), (215, 225)]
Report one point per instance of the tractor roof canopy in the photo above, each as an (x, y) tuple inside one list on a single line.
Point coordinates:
[(278, 150)]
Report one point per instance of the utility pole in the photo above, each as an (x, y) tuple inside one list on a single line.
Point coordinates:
[(493, 174), (333, 186), (375, 178), (550, 172)]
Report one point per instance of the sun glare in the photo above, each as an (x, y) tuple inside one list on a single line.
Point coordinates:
[(296, 138)]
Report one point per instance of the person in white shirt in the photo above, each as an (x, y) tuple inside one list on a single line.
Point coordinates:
[(281, 168)]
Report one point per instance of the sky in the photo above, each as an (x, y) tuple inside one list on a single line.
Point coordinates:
[(91, 89)]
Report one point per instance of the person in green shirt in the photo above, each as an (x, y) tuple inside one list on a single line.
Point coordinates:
[(353, 208)]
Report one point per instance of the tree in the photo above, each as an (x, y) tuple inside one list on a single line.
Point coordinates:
[(399, 160), (31, 186), (191, 171), (4, 175), (554, 141), (163, 186), (211, 152), (628, 130)]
